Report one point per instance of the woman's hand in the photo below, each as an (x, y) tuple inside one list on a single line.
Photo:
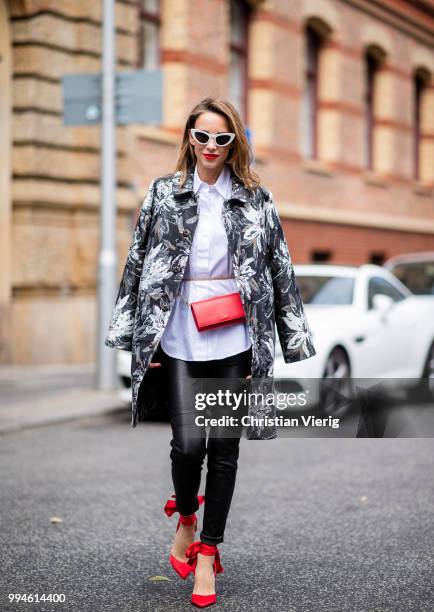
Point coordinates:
[(249, 376), (154, 364)]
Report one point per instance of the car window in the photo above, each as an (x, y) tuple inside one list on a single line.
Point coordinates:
[(378, 285), (330, 290), (418, 276)]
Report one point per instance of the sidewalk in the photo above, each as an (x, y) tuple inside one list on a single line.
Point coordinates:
[(31, 396)]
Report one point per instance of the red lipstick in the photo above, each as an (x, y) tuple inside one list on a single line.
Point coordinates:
[(208, 156)]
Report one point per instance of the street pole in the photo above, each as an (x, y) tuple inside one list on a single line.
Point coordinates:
[(107, 264)]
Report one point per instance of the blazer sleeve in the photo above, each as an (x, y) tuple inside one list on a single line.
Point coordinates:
[(291, 322), (121, 327)]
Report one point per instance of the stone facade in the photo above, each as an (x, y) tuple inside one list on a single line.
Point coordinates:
[(49, 174)]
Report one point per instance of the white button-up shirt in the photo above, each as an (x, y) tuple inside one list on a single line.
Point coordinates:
[(209, 257)]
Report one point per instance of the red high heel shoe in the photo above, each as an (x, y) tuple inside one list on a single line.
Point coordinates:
[(182, 568), (202, 601)]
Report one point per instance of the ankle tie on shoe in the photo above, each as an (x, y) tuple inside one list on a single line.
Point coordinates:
[(182, 568), (187, 520), (171, 507), (204, 549)]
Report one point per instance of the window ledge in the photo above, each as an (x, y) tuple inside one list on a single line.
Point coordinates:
[(260, 160), (155, 133), (317, 166), (375, 179), (422, 189)]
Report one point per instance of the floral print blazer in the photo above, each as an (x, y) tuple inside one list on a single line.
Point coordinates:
[(262, 268)]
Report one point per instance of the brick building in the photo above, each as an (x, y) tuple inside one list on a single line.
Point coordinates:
[(338, 94)]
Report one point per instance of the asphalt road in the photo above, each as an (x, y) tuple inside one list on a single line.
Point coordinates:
[(315, 525)]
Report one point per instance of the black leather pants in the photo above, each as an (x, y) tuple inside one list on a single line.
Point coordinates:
[(188, 451)]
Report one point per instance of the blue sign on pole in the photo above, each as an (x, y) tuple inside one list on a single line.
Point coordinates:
[(81, 99), (138, 97)]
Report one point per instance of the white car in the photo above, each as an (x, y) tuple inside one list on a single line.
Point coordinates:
[(415, 270), (123, 366), (366, 325)]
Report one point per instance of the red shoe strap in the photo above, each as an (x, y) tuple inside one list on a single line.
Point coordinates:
[(192, 549), (208, 549), (187, 520), (191, 553), (205, 549), (211, 549), (217, 565), (170, 506)]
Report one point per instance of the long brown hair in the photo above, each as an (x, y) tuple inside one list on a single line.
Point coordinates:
[(240, 153)]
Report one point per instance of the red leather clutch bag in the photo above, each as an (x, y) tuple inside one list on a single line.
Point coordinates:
[(218, 311)]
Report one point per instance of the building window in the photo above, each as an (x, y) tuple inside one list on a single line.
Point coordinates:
[(309, 115), (420, 82), (377, 259), (239, 18), (370, 69), (374, 57), (318, 256), (149, 34)]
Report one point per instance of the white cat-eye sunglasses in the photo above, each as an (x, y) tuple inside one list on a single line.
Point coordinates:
[(203, 138)]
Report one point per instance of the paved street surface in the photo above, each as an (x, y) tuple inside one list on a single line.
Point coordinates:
[(315, 525)]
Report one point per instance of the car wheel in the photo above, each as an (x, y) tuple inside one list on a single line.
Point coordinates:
[(337, 391)]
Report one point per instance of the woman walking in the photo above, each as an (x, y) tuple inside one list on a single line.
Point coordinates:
[(207, 278)]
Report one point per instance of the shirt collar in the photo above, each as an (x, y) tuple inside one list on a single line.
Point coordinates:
[(222, 185)]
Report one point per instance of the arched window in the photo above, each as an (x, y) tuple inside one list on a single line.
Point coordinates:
[(374, 58), (317, 34), (149, 34), (421, 79), (309, 115), (239, 18)]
